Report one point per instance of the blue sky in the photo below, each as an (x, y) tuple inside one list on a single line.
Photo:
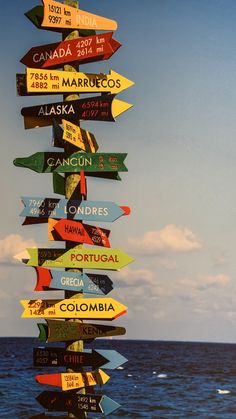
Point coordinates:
[(180, 140)]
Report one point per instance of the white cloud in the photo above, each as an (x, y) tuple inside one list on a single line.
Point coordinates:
[(12, 244), (208, 281), (170, 238), (129, 276)]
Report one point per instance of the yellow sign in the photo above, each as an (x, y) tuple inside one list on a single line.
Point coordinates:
[(58, 15), (70, 381), (80, 138), (56, 81), (86, 308)]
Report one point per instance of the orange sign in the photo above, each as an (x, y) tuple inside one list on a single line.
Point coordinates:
[(58, 15)]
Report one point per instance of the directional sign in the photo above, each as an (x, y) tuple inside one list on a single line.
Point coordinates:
[(56, 81), (89, 49), (74, 135), (35, 15), (73, 380), (59, 357), (63, 208), (75, 231), (72, 281), (58, 15), (76, 403), (47, 162), (97, 108), (61, 331), (86, 308), (77, 257)]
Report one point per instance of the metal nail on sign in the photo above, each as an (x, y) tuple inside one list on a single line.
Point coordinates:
[(56, 81), (97, 108), (47, 162), (77, 257), (75, 231), (48, 280), (104, 211), (86, 308), (86, 50), (76, 403), (58, 15), (73, 380), (61, 331)]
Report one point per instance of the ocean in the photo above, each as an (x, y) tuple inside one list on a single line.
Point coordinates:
[(160, 380)]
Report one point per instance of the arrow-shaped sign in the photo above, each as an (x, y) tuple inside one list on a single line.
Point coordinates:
[(71, 133), (72, 281), (97, 108), (76, 403), (73, 380), (59, 357), (61, 331), (89, 49), (47, 162), (77, 257), (56, 81), (86, 308), (58, 15), (44, 208), (75, 231)]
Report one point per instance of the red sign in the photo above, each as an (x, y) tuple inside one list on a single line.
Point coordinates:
[(83, 50), (75, 231)]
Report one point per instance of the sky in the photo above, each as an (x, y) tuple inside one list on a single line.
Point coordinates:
[(180, 139)]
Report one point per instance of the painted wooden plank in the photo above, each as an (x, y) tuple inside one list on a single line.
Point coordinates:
[(86, 210), (75, 403), (60, 357), (73, 380), (86, 308), (75, 231), (58, 15), (61, 331), (47, 162), (72, 281), (86, 50), (56, 81), (77, 257), (97, 108), (73, 134)]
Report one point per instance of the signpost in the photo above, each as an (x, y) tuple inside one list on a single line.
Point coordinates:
[(86, 308), (78, 257), (61, 402), (68, 208), (70, 381), (48, 280), (75, 231), (66, 217), (61, 331), (97, 108), (86, 50), (59, 357), (48, 162)]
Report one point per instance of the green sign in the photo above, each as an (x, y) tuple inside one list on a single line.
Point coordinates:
[(89, 162)]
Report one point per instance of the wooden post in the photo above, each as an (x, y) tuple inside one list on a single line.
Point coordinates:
[(72, 190)]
